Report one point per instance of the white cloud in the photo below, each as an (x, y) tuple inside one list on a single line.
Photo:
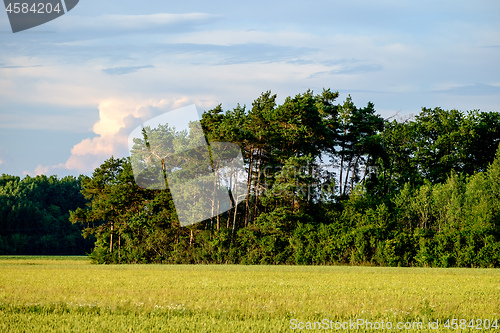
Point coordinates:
[(1, 162), (44, 170), (117, 117)]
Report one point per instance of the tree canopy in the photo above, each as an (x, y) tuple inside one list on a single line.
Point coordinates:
[(34, 214)]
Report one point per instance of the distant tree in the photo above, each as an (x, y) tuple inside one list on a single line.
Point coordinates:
[(34, 215)]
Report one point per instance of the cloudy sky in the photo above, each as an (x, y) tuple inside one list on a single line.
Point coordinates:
[(72, 90)]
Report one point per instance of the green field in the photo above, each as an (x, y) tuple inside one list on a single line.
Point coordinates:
[(63, 294)]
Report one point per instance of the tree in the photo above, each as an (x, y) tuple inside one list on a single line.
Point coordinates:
[(359, 143), (34, 215), (114, 199)]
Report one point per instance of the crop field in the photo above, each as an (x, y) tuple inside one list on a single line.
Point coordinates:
[(68, 294)]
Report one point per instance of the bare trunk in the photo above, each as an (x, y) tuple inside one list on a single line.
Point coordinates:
[(111, 238), (354, 171), (119, 247), (212, 218), (218, 218), (390, 177), (257, 182), (341, 170), (164, 171), (309, 185), (234, 223), (347, 175), (249, 182), (365, 172), (232, 198), (217, 204)]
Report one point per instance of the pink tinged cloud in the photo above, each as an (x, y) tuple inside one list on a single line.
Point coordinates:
[(111, 139), (117, 117)]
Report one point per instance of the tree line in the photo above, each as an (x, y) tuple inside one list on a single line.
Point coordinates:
[(34, 216), (328, 183)]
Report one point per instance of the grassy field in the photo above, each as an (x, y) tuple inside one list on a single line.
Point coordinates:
[(68, 294)]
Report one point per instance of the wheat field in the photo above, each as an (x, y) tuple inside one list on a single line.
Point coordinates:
[(68, 294)]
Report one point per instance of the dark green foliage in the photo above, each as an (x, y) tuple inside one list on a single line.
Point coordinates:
[(437, 142), (34, 216)]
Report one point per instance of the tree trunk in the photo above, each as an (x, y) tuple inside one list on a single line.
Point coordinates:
[(234, 223), (217, 203), (257, 183), (354, 171), (164, 171), (119, 247), (111, 238), (249, 182), (341, 170), (347, 175), (231, 198)]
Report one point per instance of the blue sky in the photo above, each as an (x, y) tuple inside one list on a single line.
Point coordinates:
[(73, 89)]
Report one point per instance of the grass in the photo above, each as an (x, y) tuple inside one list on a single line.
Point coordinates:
[(60, 294)]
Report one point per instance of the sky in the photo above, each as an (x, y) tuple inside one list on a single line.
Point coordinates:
[(73, 89)]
